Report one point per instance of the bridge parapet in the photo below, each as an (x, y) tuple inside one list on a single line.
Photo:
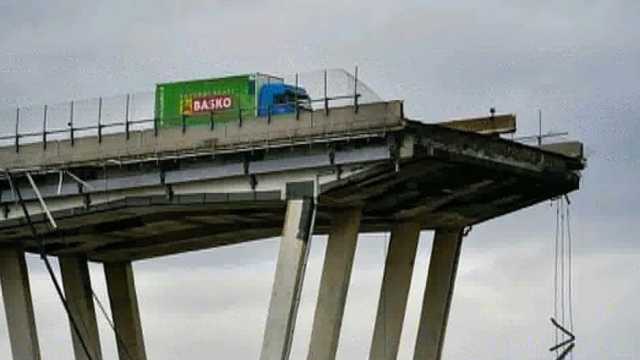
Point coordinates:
[(251, 133)]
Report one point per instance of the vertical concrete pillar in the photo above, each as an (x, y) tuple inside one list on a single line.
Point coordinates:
[(334, 284), (395, 290), (77, 290), (438, 293), (18, 306), (124, 307), (287, 286)]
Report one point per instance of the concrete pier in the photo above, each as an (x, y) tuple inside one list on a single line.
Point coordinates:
[(438, 293), (16, 294), (287, 285), (334, 284), (124, 307), (396, 282), (77, 289)]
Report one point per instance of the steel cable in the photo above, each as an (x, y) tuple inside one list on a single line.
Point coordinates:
[(43, 256), (570, 269), (555, 276)]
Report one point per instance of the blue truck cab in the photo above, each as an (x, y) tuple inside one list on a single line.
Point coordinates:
[(281, 98)]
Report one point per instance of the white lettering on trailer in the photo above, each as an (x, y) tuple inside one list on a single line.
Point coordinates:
[(211, 103)]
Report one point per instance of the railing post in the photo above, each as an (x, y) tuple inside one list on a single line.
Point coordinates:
[(296, 99), (268, 114), (126, 116), (326, 99), (539, 127), (183, 99), (155, 126), (355, 93), (44, 128), (71, 124), (17, 133), (100, 120)]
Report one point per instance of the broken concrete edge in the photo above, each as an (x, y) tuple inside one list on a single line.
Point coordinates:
[(572, 149), (506, 124), (446, 144), (463, 142), (492, 125), (531, 202)]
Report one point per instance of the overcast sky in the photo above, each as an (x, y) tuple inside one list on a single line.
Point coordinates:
[(578, 61)]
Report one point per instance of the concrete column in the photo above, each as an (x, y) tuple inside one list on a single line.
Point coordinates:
[(77, 290), (395, 290), (18, 307), (124, 307), (438, 293), (287, 286), (334, 284)]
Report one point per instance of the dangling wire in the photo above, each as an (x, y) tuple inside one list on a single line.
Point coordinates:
[(563, 282), (75, 325), (562, 267), (112, 325), (569, 266), (555, 273)]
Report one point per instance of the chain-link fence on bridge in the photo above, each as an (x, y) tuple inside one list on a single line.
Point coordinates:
[(136, 111)]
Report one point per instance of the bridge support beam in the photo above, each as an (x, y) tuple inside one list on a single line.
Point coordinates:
[(438, 293), (16, 294), (287, 286), (334, 284), (124, 307), (396, 282), (77, 289)]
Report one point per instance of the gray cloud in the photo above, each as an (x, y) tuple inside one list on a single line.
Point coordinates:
[(576, 61)]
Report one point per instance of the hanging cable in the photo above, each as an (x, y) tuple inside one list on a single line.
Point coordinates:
[(563, 282), (103, 310), (43, 255), (569, 266), (39, 240), (111, 324), (555, 274), (562, 267)]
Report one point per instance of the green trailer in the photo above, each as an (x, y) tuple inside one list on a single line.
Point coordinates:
[(207, 101)]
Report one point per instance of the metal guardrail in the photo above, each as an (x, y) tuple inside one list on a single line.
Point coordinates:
[(72, 130)]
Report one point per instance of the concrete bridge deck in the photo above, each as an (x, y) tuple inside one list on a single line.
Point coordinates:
[(158, 195), (339, 173)]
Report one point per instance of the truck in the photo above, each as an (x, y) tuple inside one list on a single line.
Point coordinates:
[(215, 100)]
